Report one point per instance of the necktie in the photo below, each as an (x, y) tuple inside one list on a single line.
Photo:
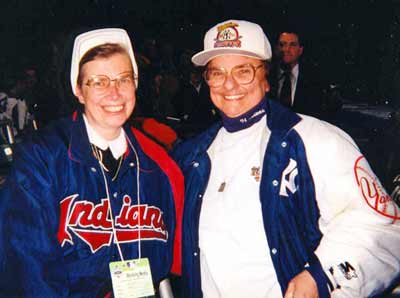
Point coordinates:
[(285, 97)]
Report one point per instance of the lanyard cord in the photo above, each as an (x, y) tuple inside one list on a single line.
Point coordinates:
[(138, 199)]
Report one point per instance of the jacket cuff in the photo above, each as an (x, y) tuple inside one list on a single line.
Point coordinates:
[(323, 283)]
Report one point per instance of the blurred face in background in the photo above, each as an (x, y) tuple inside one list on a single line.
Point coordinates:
[(231, 97), (289, 48), (107, 106)]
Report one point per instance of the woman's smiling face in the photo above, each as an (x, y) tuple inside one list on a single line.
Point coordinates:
[(232, 98), (107, 110)]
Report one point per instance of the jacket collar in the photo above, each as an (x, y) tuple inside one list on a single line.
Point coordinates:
[(280, 119), (205, 138), (79, 146)]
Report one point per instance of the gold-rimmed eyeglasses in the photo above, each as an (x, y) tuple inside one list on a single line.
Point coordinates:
[(243, 74), (102, 82)]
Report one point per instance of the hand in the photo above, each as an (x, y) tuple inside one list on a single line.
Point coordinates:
[(302, 285)]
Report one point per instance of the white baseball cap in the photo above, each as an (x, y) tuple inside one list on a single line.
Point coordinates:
[(234, 37), (91, 39)]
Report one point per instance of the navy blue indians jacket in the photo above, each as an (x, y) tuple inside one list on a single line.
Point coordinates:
[(56, 229)]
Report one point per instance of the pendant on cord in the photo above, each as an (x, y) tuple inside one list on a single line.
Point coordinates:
[(255, 172), (222, 187)]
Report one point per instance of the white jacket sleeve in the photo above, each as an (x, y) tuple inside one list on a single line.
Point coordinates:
[(360, 248)]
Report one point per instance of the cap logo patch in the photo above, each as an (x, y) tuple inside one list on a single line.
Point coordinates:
[(228, 36)]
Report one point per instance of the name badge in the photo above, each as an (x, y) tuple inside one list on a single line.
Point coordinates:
[(132, 278)]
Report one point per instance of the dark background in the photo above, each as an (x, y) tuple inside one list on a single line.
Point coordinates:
[(355, 42)]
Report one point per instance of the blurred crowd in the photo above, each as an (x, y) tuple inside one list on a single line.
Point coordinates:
[(172, 98), (170, 90)]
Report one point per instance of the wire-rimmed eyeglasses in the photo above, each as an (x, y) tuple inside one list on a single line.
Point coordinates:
[(243, 74), (102, 82)]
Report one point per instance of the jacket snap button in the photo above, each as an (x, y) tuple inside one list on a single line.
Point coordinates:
[(196, 164), (275, 183), (274, 251), (93, 170), (284, 144)]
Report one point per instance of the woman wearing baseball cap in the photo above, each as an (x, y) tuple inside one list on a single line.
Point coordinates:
[(89, 205), (277, 204)]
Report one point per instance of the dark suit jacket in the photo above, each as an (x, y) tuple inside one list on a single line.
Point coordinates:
[(309, 93)]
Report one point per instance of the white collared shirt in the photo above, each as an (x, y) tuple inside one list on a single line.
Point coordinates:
[(117, 146)]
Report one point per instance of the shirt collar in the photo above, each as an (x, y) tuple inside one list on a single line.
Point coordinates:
[(117, 146), (294, 72)]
